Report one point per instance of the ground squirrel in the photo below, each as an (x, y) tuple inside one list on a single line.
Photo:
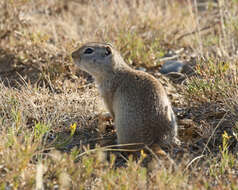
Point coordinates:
[(135, 99)]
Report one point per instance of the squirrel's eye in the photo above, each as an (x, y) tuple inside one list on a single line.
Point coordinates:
[(88, 51), (108, 51)]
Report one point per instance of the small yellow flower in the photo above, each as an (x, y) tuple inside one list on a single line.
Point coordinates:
[(143, 154), (225, 136), (73, 129)]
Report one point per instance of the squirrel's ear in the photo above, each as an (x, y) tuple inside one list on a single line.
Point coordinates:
[(108, 51)]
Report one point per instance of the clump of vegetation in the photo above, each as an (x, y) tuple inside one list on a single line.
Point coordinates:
[(53, 135)]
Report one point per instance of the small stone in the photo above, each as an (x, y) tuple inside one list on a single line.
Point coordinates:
[(172, 66)]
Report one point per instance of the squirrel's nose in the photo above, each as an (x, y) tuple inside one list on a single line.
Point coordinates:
[(75, 55)]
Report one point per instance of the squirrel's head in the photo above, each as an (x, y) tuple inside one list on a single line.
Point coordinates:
[(94, 58)]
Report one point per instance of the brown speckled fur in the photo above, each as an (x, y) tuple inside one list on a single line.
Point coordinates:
[(136, 100)]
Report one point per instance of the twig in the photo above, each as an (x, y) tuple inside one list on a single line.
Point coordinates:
[(195, 31), (168, 58), (213, 132), (177, 52), (193, 160)]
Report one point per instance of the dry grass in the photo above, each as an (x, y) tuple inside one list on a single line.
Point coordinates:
[(53, 135)]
